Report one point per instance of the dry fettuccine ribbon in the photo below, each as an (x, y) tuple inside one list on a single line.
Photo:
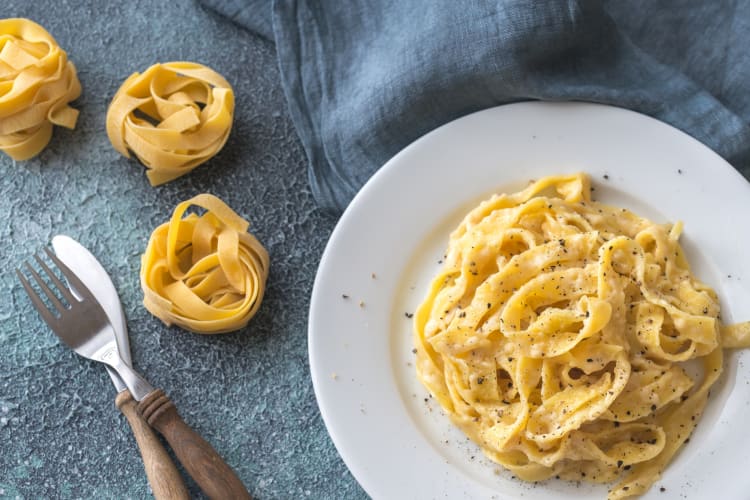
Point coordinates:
[(204, 273), (36, 84), (173, 117)]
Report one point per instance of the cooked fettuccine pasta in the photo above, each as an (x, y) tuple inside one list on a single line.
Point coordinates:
[(556, 333), (36, 84), (173, 117), (204, 273)]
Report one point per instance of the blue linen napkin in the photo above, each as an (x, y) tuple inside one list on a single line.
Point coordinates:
[(364, 78)]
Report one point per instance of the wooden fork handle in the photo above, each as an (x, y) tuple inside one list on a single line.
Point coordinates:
[(163, 476), (202, 462)]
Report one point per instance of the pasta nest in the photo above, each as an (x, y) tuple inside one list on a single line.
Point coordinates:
[(557, 336), (36, 84), (204, 273), (174, 116)]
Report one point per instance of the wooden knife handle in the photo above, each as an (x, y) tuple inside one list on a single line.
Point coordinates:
[(202, 462), (163, 476)]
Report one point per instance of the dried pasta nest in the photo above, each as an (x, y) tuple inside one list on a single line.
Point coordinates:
[(204, 273), (36, 84), (173, 117)]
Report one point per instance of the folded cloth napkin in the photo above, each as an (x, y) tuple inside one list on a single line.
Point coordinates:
[(364, 78)]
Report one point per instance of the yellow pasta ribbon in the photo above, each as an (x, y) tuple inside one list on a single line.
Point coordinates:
[(174, 116), (555, 337), (36, 84), (204, 273)]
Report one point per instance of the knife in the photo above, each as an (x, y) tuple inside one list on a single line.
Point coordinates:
[(163, 476)]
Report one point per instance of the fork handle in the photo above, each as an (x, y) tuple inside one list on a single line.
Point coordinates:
[(163, 476), (202, 462)]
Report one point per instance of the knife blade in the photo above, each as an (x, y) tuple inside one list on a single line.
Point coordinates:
[(92, 274), (163, 476)]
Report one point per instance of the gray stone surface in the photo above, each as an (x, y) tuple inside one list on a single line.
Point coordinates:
[(249, 393)]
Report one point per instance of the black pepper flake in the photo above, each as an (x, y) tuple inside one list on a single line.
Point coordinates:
[(480, 380), (414, 351), (489, 305), (344, 296), (653, 407), (619, 464), (617, 424), (409, 315), (679, 171), (606, 177), (662, 489), (627, 467), (626, 488)]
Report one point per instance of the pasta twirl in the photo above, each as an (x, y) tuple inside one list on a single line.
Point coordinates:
[(173, 117), (36, 84), (204, 273), (556, 334)]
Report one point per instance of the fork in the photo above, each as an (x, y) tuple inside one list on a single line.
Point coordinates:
[(83, 325)]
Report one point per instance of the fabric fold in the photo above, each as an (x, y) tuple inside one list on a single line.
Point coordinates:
[(365, 78)]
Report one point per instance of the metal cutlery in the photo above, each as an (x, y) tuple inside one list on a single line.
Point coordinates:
[(83, 325), (163, 476)]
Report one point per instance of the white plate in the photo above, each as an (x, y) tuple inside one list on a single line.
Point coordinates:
[(386, 247)]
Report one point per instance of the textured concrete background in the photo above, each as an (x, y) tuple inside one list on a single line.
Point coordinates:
[(249, 393)]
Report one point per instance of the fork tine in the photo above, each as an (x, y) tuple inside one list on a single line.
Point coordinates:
[(46, 289), (76, 283), (38, 303), (58, 283)]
